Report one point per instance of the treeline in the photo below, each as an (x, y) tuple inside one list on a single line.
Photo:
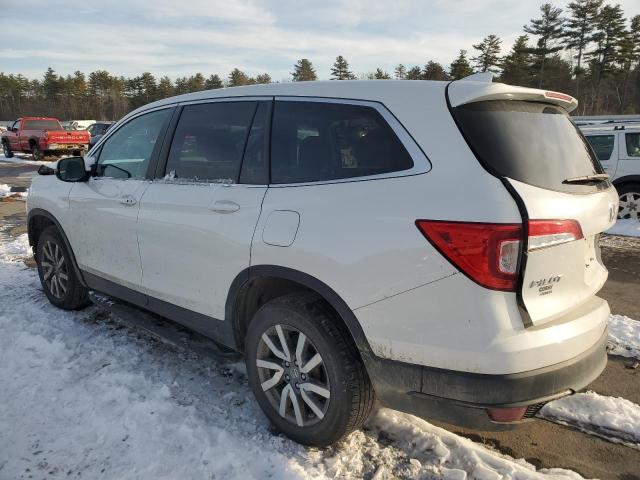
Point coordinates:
[(590, 50)]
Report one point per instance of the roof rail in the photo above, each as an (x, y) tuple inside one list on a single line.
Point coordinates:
[(486, 77)]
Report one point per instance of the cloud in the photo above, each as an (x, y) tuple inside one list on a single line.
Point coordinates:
[(169, 37)]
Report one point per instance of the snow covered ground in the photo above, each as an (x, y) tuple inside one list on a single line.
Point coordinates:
[(7, 191), (624, 336), (85, 395), (626, 227), (613, 418)]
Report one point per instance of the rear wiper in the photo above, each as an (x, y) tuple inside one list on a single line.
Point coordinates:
[(598, 177)]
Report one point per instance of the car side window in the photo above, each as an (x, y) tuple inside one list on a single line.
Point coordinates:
[(209, 141), (127, 153), (633, 144), (316, 141), (602, 145)]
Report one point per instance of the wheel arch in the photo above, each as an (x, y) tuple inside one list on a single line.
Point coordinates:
[(34, 141), (626, 180), (39, 219), (256, 285)]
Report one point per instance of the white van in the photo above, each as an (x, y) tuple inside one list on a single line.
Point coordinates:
[(417, 242), (617, 146)]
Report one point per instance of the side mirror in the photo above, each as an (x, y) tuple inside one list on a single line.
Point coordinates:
[(72, 169)]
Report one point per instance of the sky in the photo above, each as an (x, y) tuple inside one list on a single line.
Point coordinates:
[(182, 37)]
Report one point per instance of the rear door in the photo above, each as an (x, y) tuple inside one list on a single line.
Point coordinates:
[(629, 163), (606, 147), (198, 217), (546, 163)]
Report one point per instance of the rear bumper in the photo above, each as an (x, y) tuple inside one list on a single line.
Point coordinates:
[(460, 398)]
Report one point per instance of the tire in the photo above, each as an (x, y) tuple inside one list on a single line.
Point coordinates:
[(36, 153), (6, 150), (629, 196), (57, 276), (337, 386)]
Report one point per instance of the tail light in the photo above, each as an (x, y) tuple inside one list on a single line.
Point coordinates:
[(489, 253), (486, 252), (546, 233)]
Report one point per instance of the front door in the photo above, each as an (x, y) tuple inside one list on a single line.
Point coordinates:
[(104, 210), (197, 220)]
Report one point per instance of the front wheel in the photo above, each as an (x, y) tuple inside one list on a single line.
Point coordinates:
[(629, 206), (59, 281), (6, 150), (305, 370)]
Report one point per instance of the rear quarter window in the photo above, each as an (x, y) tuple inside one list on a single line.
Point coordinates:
[(317, 141), (532, 142)]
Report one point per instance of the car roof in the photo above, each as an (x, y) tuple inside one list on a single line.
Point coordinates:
[(371, 90)]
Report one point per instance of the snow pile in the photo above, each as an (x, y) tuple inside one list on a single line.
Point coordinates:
[(614, 418), (624, 336), (6, 191), (27, 160), (627, 227), (85, 395)]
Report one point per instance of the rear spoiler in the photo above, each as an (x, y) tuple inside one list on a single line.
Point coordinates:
[(479, 87)]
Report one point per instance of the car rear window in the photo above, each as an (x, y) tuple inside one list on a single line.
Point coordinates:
[(42, 125), (532, 142)]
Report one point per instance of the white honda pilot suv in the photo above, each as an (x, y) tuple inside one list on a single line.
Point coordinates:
[(433, 245)]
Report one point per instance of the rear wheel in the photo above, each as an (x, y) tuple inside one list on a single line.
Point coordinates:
[(58, 278), (6, 150), (305, 370), (629, 206), (36, 153)]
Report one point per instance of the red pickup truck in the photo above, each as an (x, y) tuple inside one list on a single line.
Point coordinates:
[(42, 136)]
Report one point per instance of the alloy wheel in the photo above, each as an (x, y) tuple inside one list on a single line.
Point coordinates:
[(54, 269), (629, 206), (293, 375)]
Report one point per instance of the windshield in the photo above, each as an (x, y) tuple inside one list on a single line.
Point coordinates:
[(532, 142), (42, 125)]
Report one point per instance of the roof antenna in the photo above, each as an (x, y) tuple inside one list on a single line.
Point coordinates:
[(485, 77)]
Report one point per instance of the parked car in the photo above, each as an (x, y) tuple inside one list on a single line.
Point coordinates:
[(77, 124), (42, 136), (413, 241), (617, 146), (97, 130)]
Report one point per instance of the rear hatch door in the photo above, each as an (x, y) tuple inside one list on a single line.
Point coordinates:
[(564, 197)]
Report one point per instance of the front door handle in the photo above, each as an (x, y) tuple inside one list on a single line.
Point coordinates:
[(224, 206), (128, 200)]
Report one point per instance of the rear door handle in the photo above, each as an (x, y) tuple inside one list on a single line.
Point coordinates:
[(128, 200), (224, 206)]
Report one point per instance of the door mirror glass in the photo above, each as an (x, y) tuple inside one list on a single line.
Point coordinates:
[(72, 170)]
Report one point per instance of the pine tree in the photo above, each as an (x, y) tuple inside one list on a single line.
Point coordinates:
[(213, 82), (460, 67), (196, 83), (548, 29), (237, 78), (414, 73), (610, 33), (488, 59), (381, 75), (51, 83), (516, 64), (263, 78), (400, 72), (165, 88), (340, 70), (579, 27), (434, 71), (303, 71)]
